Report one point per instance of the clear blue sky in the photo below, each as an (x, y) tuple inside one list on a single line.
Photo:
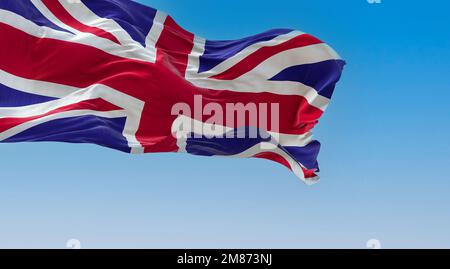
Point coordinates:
[(385, 159)]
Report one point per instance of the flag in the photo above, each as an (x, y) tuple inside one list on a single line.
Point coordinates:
[(123, 75)]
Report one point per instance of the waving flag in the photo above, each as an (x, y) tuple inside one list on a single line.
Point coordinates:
[(112, 72)]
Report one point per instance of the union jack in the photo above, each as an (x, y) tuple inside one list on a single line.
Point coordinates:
[(108, 72)]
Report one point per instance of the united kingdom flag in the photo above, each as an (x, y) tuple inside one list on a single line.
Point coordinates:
[(109, 72)]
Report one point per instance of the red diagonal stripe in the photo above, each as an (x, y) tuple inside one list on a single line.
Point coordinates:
[(265, 53), (279, 159), (93, 104), (63, 15)]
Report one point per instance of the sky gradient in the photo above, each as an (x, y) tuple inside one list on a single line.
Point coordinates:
[(385, 156)]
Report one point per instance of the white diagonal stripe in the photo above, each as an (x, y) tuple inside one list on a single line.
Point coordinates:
[(20, 23), (295, 166), (199, 47), (132, 107), (35, 86), (73, 113), (299, 56), (83, 14)]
